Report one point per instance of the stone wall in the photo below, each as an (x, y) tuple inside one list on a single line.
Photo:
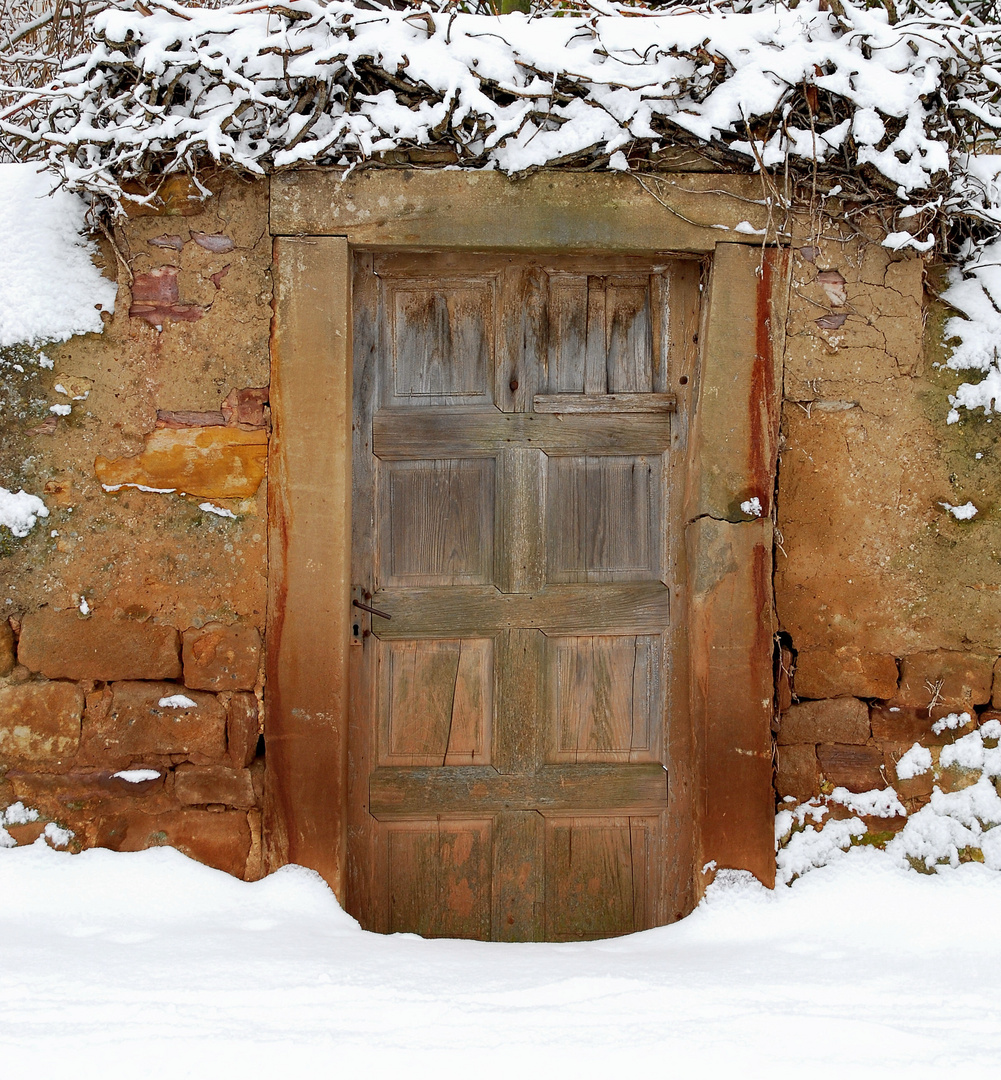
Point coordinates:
[(133, 615), (130, 658), (890, 607)]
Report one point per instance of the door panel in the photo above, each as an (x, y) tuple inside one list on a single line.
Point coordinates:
[(602, 518), (437, 702), (510, 720), (437, 523)]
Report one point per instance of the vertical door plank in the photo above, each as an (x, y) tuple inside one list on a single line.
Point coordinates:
[(523, 557), (518, 876), (522, 337), (630, 362), (364, 667), (518, 738), (596, 351), (567, 340)]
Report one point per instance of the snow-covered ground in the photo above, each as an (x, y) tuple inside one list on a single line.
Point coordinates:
[(150, 965)]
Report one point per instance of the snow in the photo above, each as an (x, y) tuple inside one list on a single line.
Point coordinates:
[(882, 802), (219, 511), (177, 701), (916, 761), (19, 511), (951, 722), (966, 512), (138, 487), (751, 507), (150, 964), (50, 288), (136, 776)]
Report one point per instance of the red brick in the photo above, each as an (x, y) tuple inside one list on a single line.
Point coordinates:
[(798, 771), (221, 840), (127, 725), (62, 645), (843, 720), (965, 680), (219, 657), (40, 722), (821, 673), (201, 785), (858, 768), (7, 659), (242, 729)]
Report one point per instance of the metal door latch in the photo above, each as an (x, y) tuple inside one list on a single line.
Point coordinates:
[(371, 610)]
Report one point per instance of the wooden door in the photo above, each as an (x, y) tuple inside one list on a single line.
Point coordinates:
[(513, 504)]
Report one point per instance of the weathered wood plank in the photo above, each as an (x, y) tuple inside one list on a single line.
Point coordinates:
[(522, 521), (518, 876), (416, 792), (591, 404), (430, 433), (518, 745), (638, 607)]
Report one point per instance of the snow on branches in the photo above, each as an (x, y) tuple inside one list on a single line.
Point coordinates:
[(838, 93)]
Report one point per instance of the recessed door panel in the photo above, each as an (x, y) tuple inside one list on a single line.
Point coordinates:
[(436, 701), (605, 697), (603, 518), (437, 523)]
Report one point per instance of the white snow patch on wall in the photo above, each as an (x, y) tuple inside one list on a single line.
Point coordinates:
[(50, 288), (966, 512), (916, 761), (136, 776), (177, 701), (19, 511)]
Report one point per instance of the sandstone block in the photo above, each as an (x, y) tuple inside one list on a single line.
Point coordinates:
[(220, 840), (7, 659), (955, 778), (212, 462), (913, 788), (219, 657), (824, 673), (798, 771), (79, 787), (899, 724), (842, 720), (241, 729), (40, 722), (27, 833), (200, 785), (61, 645), (129, 724), (857, 768), (957, 680), (996, 686)]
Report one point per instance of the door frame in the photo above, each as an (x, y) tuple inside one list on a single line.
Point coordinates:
[(728, 419)]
